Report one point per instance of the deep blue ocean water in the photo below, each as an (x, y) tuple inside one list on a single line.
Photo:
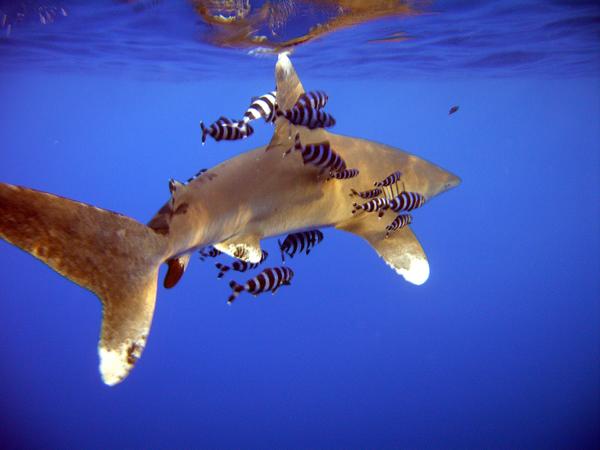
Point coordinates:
[(500, 348)]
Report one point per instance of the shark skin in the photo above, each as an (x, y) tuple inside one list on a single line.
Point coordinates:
[(261, 193), (232, 206)]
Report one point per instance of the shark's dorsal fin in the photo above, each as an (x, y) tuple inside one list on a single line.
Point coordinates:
[(401, 250), (246, 248), (289, 88)]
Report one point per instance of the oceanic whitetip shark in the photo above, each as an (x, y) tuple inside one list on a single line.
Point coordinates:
[(118, 258)]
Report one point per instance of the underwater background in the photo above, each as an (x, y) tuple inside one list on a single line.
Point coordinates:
[(101, 102)]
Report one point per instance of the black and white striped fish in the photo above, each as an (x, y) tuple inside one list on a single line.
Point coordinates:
[(366, 194), (319, 155), (226, 129), (399, 222), (209, 252), (307, 117), (270, 279), (344, 174), (263, 106), (390, 179), (406, 201), (313, 99), (200, 172), (298, 242), (240, 266), (373, 205)]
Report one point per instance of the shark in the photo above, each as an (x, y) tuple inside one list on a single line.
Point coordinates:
[(232, 206)]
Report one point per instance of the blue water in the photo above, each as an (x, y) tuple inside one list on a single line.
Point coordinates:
[(499, 349)]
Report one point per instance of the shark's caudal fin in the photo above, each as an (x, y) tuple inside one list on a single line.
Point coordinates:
[(112, 255)]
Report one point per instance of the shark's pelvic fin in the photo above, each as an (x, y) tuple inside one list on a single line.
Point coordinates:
[(401, 250), (176, 268), (113, 256), (246, 248)]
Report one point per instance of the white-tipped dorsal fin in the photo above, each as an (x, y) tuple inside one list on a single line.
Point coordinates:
[(401, 250)]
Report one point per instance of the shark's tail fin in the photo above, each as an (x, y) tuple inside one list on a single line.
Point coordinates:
[(112, 255)]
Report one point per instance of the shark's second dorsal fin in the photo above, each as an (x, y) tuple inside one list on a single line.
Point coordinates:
[(246, 248), (401, 250)]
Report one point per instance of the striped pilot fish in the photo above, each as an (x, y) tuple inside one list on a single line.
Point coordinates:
[(209, 252), (270, 279), (226, 129), (313, 100), (399, 222), (298, 242), (366, 194), (307, 117), (389, 180), (319, 155), (344, 174), (200, 172), (373, 205), (263, 106), (406, 201), (240, 266)]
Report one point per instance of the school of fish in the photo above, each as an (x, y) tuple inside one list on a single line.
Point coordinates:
[(307, 112)]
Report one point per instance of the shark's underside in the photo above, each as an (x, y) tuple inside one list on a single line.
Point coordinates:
[(233, 206)]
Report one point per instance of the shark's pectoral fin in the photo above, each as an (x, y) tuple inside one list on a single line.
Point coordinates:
[(246, 248), (176, 269), (401, 250)]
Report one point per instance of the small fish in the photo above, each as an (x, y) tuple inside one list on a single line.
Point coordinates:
[(373, 205), (308, 117), (240, 266), (344, 174), (453, 110), (406, 201), (319, 155), (390, 179), (226, 129), (399, 222), (313, 99), (366, 194), (298, 242), (200, 172), (263, 106), (209, 252), (270, 279), (174, 185)]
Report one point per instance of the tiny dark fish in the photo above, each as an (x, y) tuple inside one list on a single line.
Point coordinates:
[(240, 266), (209, 252), (453, 110), (270, 279), (298, 242), (399, 222), (366, 194)]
